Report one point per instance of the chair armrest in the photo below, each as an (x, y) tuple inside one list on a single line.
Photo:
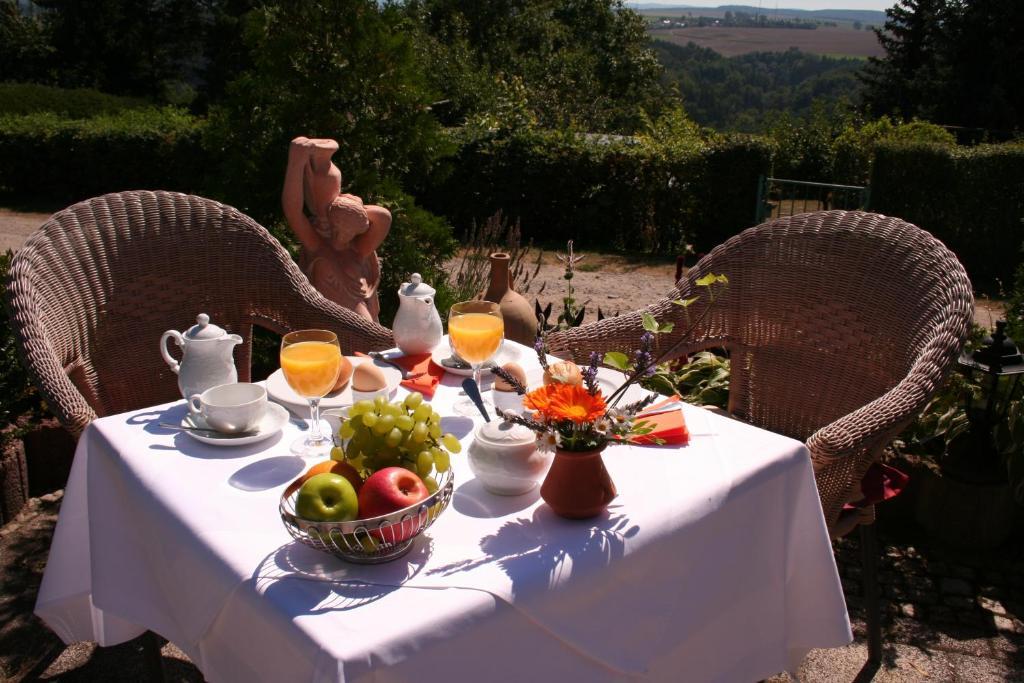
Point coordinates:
[(842, 450), (62, 396)]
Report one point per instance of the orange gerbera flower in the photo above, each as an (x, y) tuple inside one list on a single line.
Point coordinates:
[(566, 402)]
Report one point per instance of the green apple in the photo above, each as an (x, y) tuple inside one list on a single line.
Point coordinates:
[(327, 497)]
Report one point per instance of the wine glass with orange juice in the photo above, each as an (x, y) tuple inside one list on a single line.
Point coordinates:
[(311, 361), (475, 332)]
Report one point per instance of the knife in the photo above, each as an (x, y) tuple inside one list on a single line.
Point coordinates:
[(473, 391), (377, 355)]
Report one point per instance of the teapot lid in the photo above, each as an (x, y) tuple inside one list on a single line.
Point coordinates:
[(416, 287), (203, 329)]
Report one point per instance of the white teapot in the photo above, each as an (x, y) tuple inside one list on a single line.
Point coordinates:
[(417, 326), (206, 356)]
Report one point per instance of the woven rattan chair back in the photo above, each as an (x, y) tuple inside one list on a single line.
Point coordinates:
[(93, 289), (826, 315)]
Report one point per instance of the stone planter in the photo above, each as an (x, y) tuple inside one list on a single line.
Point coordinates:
[(13, 477), (970, 516)]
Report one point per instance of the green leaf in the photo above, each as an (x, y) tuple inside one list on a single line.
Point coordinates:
[(617, 360), (711, 279), (666, 327), (685, 303), (650, 323)]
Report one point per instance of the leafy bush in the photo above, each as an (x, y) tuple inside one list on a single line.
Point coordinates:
[(703, 381), (645, 192), (62, 159), (357, 79), (971, 198), (17, 394), (853, 150), (75, 103)]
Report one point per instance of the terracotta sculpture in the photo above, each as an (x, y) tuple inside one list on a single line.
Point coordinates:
[(340, 235)]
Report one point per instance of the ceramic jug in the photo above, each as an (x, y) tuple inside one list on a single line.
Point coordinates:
[(417, 326), (520, 319), (206, 356)]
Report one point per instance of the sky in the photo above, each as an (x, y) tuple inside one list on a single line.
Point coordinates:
[(782, 4)]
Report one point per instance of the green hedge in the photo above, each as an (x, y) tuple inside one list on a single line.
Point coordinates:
[(76, 103), (603, 191), (61, 159), (971, 198)]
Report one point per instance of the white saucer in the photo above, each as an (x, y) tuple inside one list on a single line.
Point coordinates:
[(278, 389), (271, 424), (506, 354)]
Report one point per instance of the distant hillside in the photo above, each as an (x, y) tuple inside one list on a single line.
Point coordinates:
[(873, 17), (745, 92)]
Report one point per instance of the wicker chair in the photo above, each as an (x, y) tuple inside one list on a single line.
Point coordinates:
[(840, 326), (93, 289)]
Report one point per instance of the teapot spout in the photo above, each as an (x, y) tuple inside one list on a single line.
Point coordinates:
[(234, 339)]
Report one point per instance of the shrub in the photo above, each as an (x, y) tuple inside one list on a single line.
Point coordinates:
[(45, 155), (971, 198), (17, 394), (853, 150), (76, 103), (357, 79), (607, 191)]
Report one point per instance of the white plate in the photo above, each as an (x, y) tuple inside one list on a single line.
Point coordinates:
[(271, 424), (278, 389), (506, 354)]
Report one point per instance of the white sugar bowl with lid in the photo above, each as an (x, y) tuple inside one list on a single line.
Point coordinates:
[(505, 458)]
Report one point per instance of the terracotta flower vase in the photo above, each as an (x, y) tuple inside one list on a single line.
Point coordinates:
[(578, 486), (516, 311)]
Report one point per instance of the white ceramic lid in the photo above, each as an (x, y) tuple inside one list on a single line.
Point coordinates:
[(503, 433), (204, 329), (416, 287)]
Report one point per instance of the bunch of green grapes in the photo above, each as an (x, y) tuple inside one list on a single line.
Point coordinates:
[(406, 433)]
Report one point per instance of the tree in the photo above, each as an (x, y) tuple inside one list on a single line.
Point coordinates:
[(125, 47), (913, 40), (24, 48), (582, 63), (951, 62), (341, 69)]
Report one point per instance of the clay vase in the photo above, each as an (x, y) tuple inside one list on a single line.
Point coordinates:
[(520, 320), (578, 486)]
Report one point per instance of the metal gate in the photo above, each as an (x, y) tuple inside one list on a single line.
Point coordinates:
[(778, 197)]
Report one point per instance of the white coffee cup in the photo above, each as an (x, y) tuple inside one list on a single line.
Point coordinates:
[(231, 408)]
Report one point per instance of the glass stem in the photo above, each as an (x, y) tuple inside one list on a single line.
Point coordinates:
[(314, 428), (478, 377)]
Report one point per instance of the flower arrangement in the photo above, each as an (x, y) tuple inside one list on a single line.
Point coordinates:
[(570, 411)]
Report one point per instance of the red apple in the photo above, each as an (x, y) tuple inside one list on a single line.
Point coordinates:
[(387, 490)]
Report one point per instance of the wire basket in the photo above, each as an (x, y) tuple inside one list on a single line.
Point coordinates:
[(373, 540)]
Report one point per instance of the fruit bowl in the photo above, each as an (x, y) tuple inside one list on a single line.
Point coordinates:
[(373, 540)]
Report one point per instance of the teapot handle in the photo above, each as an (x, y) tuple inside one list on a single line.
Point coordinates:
[(168, 358)]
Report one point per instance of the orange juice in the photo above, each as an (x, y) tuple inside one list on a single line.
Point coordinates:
[(311, 367), (476, 336)]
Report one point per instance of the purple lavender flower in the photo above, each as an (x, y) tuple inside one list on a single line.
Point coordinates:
[(540, 347), (641, 360), (590, 373)]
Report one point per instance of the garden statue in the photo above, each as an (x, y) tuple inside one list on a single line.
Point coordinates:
[(340, 234)]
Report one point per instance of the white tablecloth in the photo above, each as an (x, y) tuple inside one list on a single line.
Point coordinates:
[(712, 564)]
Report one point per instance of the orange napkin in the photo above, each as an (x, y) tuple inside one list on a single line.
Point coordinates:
[(424, 374), (669, 427)]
